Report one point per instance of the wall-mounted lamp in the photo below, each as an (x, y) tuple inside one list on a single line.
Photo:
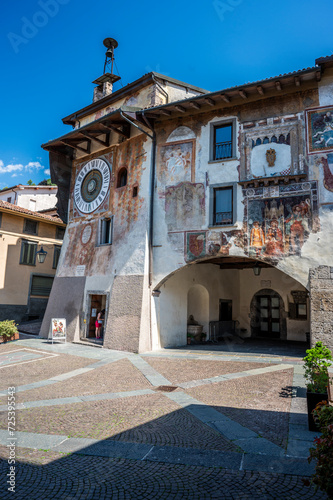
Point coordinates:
[(41, 254), (257, 269)]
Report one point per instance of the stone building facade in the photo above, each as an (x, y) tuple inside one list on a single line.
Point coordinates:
[(181, 202)]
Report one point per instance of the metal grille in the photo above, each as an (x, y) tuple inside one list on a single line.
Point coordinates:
[(222, 218), (41, 285), (223, 150)]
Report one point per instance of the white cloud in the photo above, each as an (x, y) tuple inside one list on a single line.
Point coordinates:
[(31, 167), (10, 168), (47, 171), (14, 175)]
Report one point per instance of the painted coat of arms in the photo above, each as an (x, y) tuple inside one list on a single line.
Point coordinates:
[(195, 245), (320, 129)]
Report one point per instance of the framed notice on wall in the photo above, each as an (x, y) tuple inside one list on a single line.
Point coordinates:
[(57, 329)]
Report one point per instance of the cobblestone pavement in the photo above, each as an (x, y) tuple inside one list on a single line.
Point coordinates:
[(99, 424)]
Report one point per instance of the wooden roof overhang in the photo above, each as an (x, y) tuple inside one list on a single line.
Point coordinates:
[(98, 131), (235, 96)]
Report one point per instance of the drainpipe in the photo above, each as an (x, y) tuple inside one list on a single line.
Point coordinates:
[(151, 193)]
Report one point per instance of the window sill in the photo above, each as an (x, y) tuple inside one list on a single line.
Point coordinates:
[(234, 158), (220, 226), (25, 264), (104, 245)]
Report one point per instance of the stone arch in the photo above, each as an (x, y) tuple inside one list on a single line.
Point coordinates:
[(255, 324), (198, 305), (181, 134)]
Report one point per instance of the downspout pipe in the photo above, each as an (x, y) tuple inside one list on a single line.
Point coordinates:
[(151, 189)]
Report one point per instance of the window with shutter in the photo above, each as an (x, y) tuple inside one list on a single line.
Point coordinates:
[(41, 285)]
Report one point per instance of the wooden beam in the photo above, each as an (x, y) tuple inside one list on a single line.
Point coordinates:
[(164, 112), (210, 101), (114, 129), (225, 97), (243, 94), (318, 76), (180, 108), (260, 90), (278, 85), (86, 134), (194, 104), (75, 146), (297, 81)]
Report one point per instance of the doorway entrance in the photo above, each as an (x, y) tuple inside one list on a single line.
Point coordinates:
[(225, 313), (97, 304), (267, 315)]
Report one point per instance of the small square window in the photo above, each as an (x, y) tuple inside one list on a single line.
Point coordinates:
[(28, 253), (223, 146), (9, 199), (56, 256), (30, 226), (301, 311), (223, 206), (60, 233), (135, 191), (105, 231)]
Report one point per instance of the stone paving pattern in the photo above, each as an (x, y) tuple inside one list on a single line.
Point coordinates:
[(112, 441), (260, 403), (114, 377), (179, 371)]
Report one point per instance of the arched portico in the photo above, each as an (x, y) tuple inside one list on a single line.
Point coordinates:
[(229, 284)]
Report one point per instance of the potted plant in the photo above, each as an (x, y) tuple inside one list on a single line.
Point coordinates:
[(190, 337), (8, 330), (323, 451), (316, 363)]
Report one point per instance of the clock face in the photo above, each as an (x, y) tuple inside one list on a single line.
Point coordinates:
[(92, 185)]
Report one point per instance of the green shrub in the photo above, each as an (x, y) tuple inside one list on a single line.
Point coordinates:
[(316, 363), (8, 328), (323, 451)]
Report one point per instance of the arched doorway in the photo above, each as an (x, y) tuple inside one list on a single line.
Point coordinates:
[(198, 305), (268, 315)]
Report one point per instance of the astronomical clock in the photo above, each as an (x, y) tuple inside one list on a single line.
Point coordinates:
[(92, 185)]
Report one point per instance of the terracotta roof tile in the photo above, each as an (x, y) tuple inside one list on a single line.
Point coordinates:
[(15, 208)]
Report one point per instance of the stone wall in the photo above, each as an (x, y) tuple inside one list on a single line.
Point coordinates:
[(321, 305), (123, 323)]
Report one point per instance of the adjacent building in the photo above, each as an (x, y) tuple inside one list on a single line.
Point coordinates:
[(185, 202), (34, 198), (25, 283)]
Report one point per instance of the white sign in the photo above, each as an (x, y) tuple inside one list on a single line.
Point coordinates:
[(93, 313), (57, 329), (80, 270)]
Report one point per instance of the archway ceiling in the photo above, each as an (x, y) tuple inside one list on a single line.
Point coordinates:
[(235, 263)]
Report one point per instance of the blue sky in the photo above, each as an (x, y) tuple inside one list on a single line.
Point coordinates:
[(52, 50)]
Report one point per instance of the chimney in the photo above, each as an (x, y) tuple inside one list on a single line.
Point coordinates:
[(105, 82)]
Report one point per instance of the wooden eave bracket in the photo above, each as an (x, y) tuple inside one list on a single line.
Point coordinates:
[(94, 138), (117, 130), (76, 146)]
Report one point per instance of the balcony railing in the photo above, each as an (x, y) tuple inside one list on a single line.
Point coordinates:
[(222, 218), (223, 150)]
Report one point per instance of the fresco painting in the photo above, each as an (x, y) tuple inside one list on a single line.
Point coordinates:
[(177, 160), (278, 227), (195, 245), (185, 206), (320, 129)]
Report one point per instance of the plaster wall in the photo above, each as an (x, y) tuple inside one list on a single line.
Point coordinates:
[(170, 309), (36, 202)]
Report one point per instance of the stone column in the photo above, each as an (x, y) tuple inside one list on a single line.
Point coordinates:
[(321, 305)]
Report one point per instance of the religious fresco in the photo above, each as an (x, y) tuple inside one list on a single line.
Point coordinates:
[(279, 219), (185, 206), (320, 129), (177, 161), (220, 242), (195, 245)]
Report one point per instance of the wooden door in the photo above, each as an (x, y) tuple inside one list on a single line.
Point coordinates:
[(268, 316)]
